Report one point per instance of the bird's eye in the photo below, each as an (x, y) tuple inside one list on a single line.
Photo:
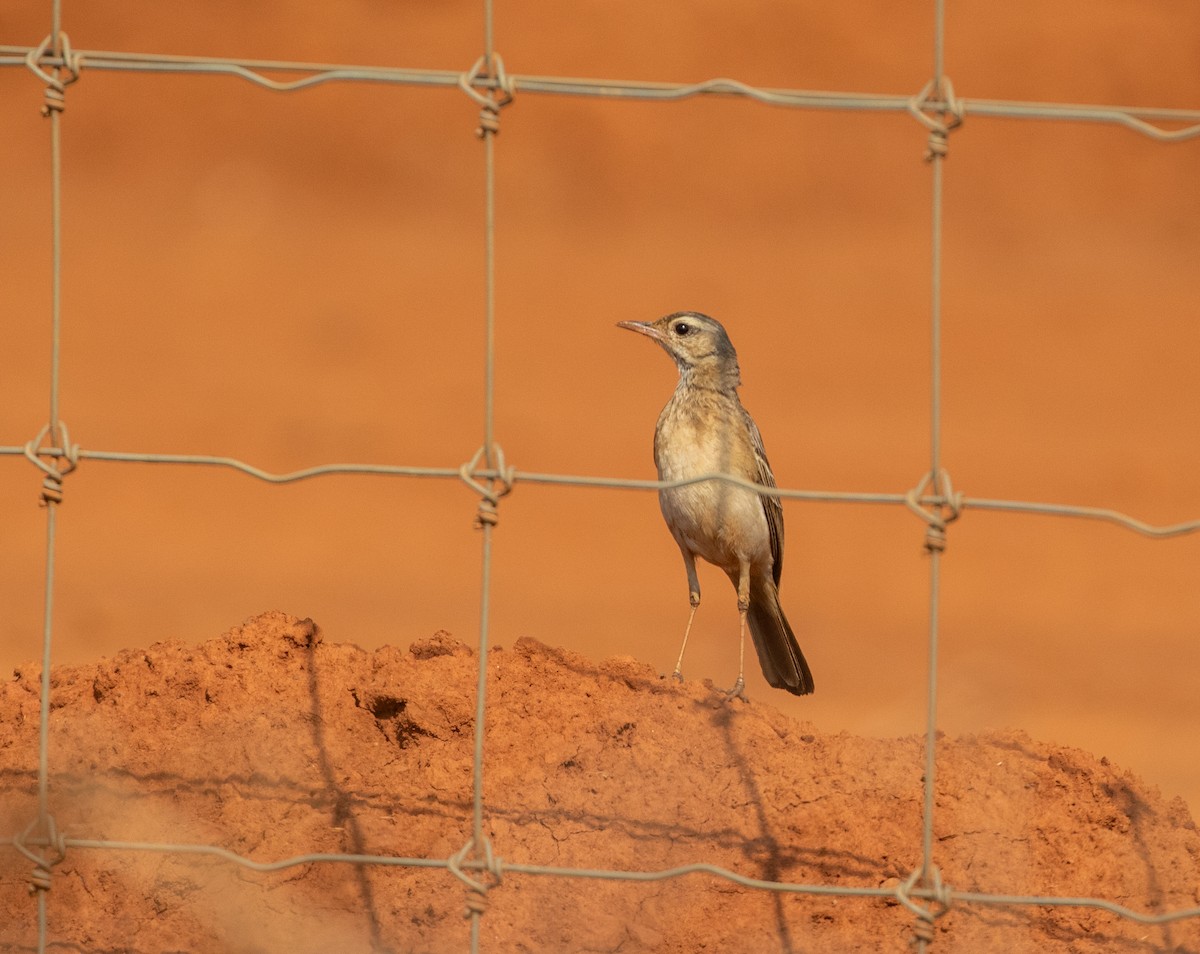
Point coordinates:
[(682, 328)]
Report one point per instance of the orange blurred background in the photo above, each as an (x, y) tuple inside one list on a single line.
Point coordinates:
[(297, 279)]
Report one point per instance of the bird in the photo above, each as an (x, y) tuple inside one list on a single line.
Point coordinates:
[(704, 429)]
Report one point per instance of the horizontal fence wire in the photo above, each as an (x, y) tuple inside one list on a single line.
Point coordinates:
[(898, 893), (1137, 118), (932, 499), (1103, 514)]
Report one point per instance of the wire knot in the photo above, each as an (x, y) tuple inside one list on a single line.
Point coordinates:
[(940, 898), (67, 459), (43, 861), (476, 903), (940, 111), (490, 73), (935, 519), (56, 83), (488, 515)]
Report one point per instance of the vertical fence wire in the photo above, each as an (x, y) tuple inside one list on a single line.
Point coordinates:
[(43, 821), (928, 874), (479, 838), (935, 448)]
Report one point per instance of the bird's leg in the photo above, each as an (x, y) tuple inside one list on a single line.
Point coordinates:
[(739, 688), (678, 673), (689, 562)]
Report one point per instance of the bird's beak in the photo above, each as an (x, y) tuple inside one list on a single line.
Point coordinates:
[(642, 328)]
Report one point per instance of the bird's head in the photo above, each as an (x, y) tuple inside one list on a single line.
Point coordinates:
[(698, 344)]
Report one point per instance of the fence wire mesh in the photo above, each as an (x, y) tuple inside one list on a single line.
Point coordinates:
[(56, 65)]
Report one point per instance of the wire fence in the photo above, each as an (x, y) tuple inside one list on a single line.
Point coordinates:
[(56, 65)]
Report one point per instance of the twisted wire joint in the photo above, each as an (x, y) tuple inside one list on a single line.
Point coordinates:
[(67, 460), (503, 88), (476, 903), (926, 915), (56, 83), (488, 514), (935, 519), (43, 861), (940, 111)]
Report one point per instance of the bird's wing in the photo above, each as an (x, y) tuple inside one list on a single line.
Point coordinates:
[(772, 508)]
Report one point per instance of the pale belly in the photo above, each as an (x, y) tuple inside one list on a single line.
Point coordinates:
[(717, 521)]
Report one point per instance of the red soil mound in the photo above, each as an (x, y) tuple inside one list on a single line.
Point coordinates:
[(272, 743)]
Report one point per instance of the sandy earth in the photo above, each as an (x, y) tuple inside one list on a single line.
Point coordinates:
[(271, 741)]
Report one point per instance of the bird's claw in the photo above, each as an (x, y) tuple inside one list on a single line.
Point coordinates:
[(738, 691), (677, 676)]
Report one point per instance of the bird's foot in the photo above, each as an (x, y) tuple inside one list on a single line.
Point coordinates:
[(677, 676), (738, 691)]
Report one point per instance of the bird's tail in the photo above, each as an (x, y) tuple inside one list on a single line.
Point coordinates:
[(778, 652)]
